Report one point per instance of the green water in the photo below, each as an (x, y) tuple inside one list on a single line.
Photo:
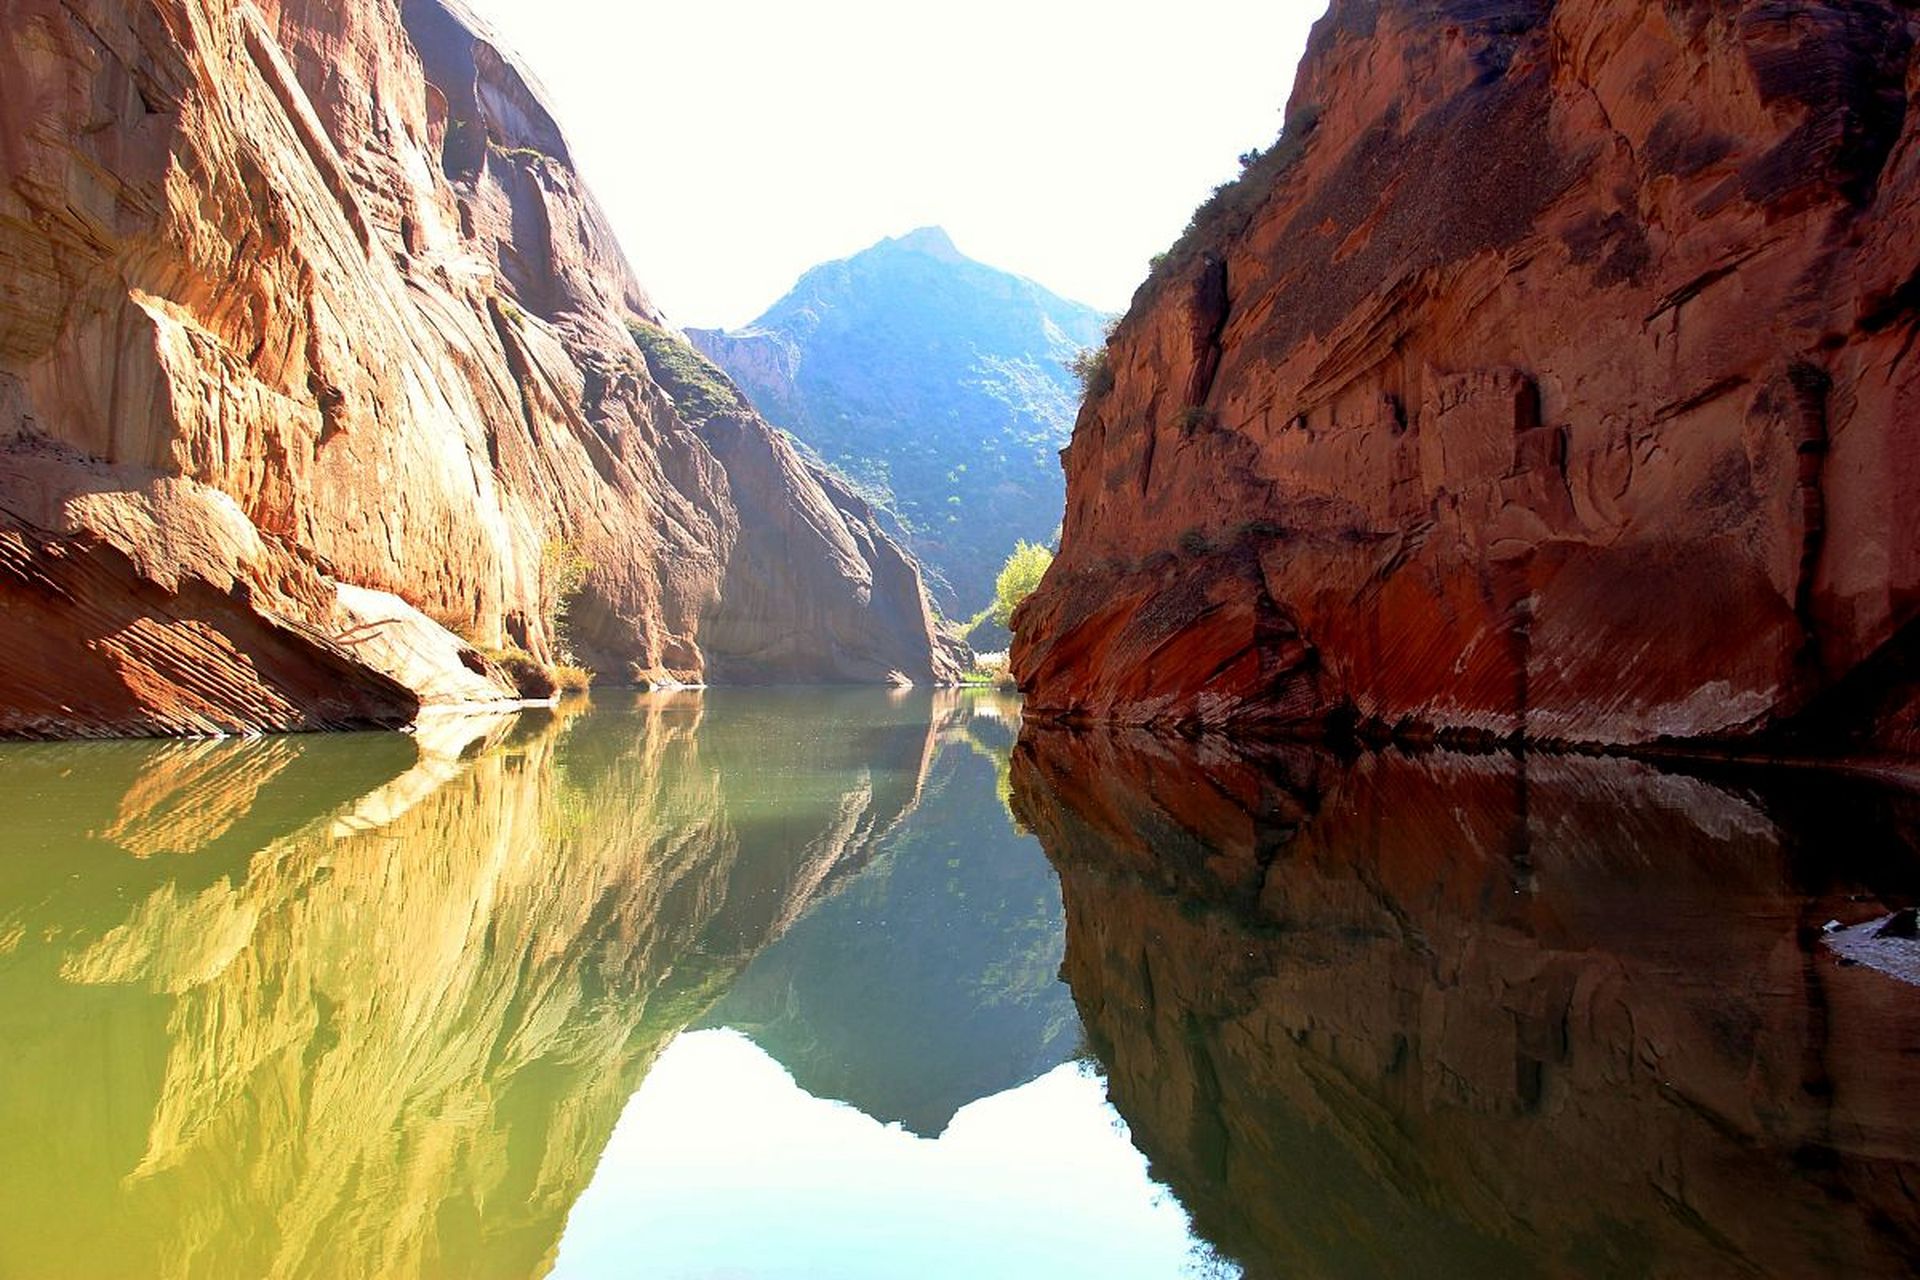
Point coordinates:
[(776, 985)]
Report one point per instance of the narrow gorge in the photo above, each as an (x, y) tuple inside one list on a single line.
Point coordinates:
[(497, 777)]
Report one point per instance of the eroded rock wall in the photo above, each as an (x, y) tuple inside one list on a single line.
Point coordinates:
[(324, 277), (1550, 378)]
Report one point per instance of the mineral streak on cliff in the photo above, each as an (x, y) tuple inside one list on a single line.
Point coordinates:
[(371, 1007), (1551, 377), (316, 358), (1470, 1015)]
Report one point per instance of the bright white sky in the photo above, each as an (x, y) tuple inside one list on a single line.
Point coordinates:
[(735, 143)]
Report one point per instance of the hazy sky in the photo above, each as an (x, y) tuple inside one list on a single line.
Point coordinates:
[(735, 143)]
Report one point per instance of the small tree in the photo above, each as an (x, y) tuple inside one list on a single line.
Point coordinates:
[(1024, 569), (563, 572)]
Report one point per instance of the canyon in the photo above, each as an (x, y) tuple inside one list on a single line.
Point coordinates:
[(1546, 391), (1549, 380), (327, 396)]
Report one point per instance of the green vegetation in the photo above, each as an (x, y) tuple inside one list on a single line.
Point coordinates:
[(563, 574), (529, 677), (528, 154), (990, 671), (1093, 366), (532, 678), (926, 378), (700, 391), (1018, 580)]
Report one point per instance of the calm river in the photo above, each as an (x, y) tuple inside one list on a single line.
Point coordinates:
[(816, 984)]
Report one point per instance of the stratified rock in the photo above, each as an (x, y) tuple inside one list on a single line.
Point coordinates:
[(300, 302), (1550, 377)]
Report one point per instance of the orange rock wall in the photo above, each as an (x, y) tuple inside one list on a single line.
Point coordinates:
[(1549, 378), (331, 265)]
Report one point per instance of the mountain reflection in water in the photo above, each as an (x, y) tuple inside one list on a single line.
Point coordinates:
[(933, 978), (387, 1005), (1442, 1016)]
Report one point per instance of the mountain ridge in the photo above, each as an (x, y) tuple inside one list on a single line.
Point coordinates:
[(937, 383)]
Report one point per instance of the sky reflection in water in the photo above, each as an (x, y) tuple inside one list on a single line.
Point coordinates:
[(722, 1166)]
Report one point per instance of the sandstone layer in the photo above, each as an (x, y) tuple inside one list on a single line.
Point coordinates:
[(1471, 1015), (319, 386), (1550, 378)]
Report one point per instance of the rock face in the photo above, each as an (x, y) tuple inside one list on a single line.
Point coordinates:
[(1550, 377), (1478, 1015), (315, 353), (938, 383)]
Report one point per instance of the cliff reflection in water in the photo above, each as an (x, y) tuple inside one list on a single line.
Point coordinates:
[(1468, 1016), (371, 1006)]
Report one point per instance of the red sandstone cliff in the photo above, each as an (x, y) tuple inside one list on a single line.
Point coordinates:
[(316, 362), (1551, 377)]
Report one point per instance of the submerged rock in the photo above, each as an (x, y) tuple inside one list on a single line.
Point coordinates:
[(1904, 923), (298, 299), (1549, 378)]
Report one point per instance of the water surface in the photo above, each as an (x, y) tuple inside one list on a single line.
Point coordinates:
[(771, 984)]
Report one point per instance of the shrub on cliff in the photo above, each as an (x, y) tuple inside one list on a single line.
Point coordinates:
[(1094, 368), (1018, 579), (563, 575), (1223, 215), (700, 391)]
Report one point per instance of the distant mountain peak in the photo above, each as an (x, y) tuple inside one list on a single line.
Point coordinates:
[(932, 241), (938, 383)]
